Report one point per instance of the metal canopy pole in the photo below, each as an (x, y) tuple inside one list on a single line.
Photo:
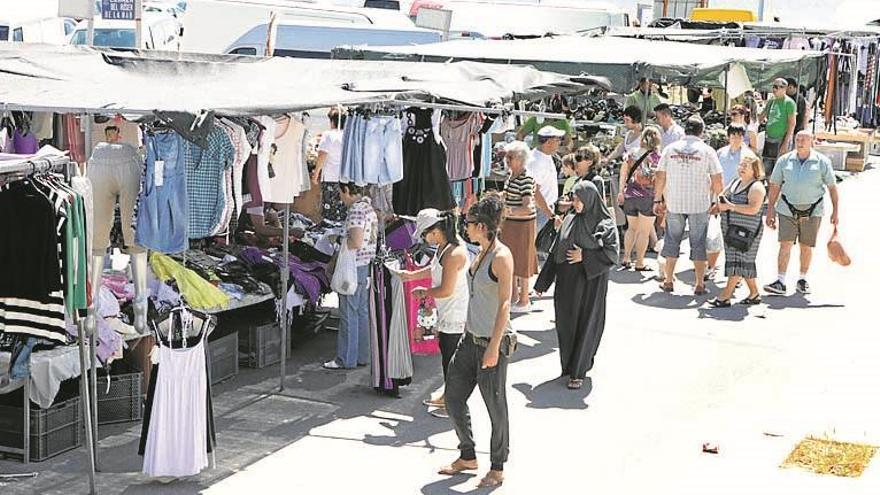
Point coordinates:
[(285, 274), (92, 374), (726, 91)]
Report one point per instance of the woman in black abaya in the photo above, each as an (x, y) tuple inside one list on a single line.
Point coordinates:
[(587, 247)]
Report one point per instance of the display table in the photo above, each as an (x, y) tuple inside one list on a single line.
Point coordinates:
[(48, 370), (865, 138)]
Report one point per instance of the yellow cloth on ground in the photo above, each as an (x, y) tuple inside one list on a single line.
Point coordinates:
[(196, 291)]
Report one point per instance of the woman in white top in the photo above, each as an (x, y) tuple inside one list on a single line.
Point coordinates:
[(632, 141), (327, 168), (449, 285)]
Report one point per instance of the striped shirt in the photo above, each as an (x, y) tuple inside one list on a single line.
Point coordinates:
[(518, 188)]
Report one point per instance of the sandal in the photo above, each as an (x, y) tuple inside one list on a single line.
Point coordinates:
[(645, 268), (752, 301), (575, 384), (700, 291), (720, 303), (667, 287), (457, 467), (490, 481), (626, 265)]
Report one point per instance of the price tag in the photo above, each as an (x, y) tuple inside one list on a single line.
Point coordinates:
[(159, 173)]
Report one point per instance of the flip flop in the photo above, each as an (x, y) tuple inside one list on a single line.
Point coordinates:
[(645, 268), (489, 482), (700, 291), (452, 470), (575, 383), (665, 287)]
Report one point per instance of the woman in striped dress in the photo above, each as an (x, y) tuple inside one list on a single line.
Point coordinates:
[(740, 205), (519, 226)]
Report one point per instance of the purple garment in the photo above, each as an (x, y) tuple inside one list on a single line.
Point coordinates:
[(310, 279), (25, 144), (108, 343)]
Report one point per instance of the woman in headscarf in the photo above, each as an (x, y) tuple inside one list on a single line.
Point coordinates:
[(586, 250)]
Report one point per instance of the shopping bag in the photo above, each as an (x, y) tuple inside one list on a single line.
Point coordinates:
[(836, 251), (344, 280), (546, 237)]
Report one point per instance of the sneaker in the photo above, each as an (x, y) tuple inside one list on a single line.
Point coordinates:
[(520, 310), (440, 412), (333, 364), (803, 287), (776, 288)]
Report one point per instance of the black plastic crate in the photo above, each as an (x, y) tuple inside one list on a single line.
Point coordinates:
[(54, 431), (259, 346), (223, 357), (122, 401)]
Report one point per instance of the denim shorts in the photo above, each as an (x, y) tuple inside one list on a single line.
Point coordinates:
[(633, 207), (698, 224)]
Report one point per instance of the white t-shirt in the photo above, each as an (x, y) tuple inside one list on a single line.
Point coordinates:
[(541, 167), (331, 143)]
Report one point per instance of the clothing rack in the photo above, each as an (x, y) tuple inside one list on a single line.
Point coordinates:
[(60, 163), (469, 108)]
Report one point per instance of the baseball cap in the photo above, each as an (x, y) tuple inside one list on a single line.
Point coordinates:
[(426, 219), (549, 131)]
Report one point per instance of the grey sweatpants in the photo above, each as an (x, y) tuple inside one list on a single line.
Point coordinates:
[(464, 374)]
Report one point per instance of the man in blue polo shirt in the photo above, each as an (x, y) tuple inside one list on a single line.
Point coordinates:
[(797, 191)]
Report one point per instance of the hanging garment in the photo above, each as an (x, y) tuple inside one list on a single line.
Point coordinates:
[(411, 303), (460, 136), (25, 143), (351, 167), (115, 171), (285, 163), (400, 366), (205, 182), (162, 213), (177, 439), (383, 151), (425, 181), (387, 360)]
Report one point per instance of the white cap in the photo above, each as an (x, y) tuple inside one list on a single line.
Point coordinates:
[(427, 218), (549, 131)]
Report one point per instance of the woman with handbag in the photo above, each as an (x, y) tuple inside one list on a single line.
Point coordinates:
[(741, 223), (584, 253), (449, 286), (636, 197), (361, 239)]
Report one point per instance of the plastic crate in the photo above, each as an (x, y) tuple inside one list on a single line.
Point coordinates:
[(54, 431), (122, 401), (259, 346), (223, 357)]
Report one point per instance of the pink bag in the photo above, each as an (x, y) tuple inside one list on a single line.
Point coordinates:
[(420, 347)]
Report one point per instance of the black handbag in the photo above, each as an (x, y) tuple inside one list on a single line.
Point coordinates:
[(739, 237), (546, 237)]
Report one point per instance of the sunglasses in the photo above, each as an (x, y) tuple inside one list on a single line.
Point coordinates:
[(582, 158)]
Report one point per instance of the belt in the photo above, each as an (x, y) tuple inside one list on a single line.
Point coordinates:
[(484, 341)]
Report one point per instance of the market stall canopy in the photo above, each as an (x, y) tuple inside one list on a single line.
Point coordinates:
[(83, 80), (621, 60)]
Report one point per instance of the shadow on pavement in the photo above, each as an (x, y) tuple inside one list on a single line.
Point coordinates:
[(666, 300), (796, 300), (630, 277), (445, 486), (553, 394)]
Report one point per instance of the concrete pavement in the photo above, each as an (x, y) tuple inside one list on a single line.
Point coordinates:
[(671, 373)]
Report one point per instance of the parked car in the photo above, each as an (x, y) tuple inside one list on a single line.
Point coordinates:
[(317, 40), (160, 32), (213, 26), (51, 30)]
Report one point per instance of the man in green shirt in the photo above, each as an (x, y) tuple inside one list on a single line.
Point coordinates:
[(780, 114), (644, 98), (532, 125)]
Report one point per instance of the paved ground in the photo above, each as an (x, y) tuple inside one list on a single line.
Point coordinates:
[(671, 374)]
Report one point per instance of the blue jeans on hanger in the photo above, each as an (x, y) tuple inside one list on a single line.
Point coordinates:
[(353, 338), (352, 166), (21, 368), (383, 151)]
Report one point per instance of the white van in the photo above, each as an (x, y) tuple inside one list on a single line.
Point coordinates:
[(160, 32), (212, 26), (52, 30), (317, 40), (523, 18)]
